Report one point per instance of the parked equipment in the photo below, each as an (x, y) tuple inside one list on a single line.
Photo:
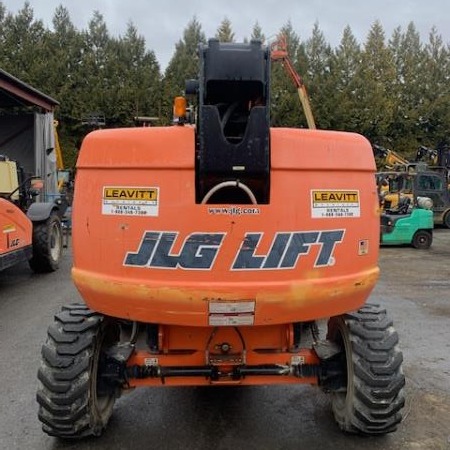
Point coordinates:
[(391, 159), (407, 224), (31, 231), (208, 253), (423, 182), (31, 207)]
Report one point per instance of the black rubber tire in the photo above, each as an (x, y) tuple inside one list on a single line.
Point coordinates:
[(73, 401), (446, 221), (422, 240), (47, 245), (371, 401)]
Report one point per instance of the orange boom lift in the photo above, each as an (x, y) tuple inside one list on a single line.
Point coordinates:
[(210, 251)]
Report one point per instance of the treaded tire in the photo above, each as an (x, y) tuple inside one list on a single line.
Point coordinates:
[(371, 401), (446, 221), (73, 401), (47, 245), (422, 240)]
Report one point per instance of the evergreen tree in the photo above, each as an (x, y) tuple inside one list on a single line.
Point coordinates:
[(343, 68), (135, 72), (95, 89), (23, 45), (396, 94), (374, 88), (318, 78), (183, 64), (286, 109), (63, 52), (225, 32), (434, 119), (147, 75), (64, 77), (409, 61), (257, 33)]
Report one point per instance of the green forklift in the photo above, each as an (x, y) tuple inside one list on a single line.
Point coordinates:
[(408, 223)]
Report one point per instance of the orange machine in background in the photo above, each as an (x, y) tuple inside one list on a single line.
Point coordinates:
[(29, 230), (16, 235), (206, 252)]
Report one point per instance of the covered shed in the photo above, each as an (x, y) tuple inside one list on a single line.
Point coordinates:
[(27, 130)]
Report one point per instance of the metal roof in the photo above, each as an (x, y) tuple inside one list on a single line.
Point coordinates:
[(16, 93)]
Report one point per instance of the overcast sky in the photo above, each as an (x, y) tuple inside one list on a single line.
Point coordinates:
[(162, 22)]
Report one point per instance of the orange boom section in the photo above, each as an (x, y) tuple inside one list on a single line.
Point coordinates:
[(144, 250)]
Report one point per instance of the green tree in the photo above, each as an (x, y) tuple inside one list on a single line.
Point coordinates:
[(23, 45), (257, 33), (434, 119), (343, 68), (374, 88), (225, 31), (409, 57), (319, 79), (396, 94), (63, 48), (286, 109), (136, 74), (183, 65), (94, 90), (64, 54)]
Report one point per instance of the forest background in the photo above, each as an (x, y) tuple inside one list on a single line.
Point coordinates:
[(393, 90)]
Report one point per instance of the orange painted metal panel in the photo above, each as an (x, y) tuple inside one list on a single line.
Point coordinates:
[(15, 228), (144, 250)]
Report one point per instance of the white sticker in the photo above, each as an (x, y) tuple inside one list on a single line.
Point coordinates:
[(335, 203), (130, 201), (220, 320), (149, 362), (231, 307), (363, 247), (231, 313), (297, 359)]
